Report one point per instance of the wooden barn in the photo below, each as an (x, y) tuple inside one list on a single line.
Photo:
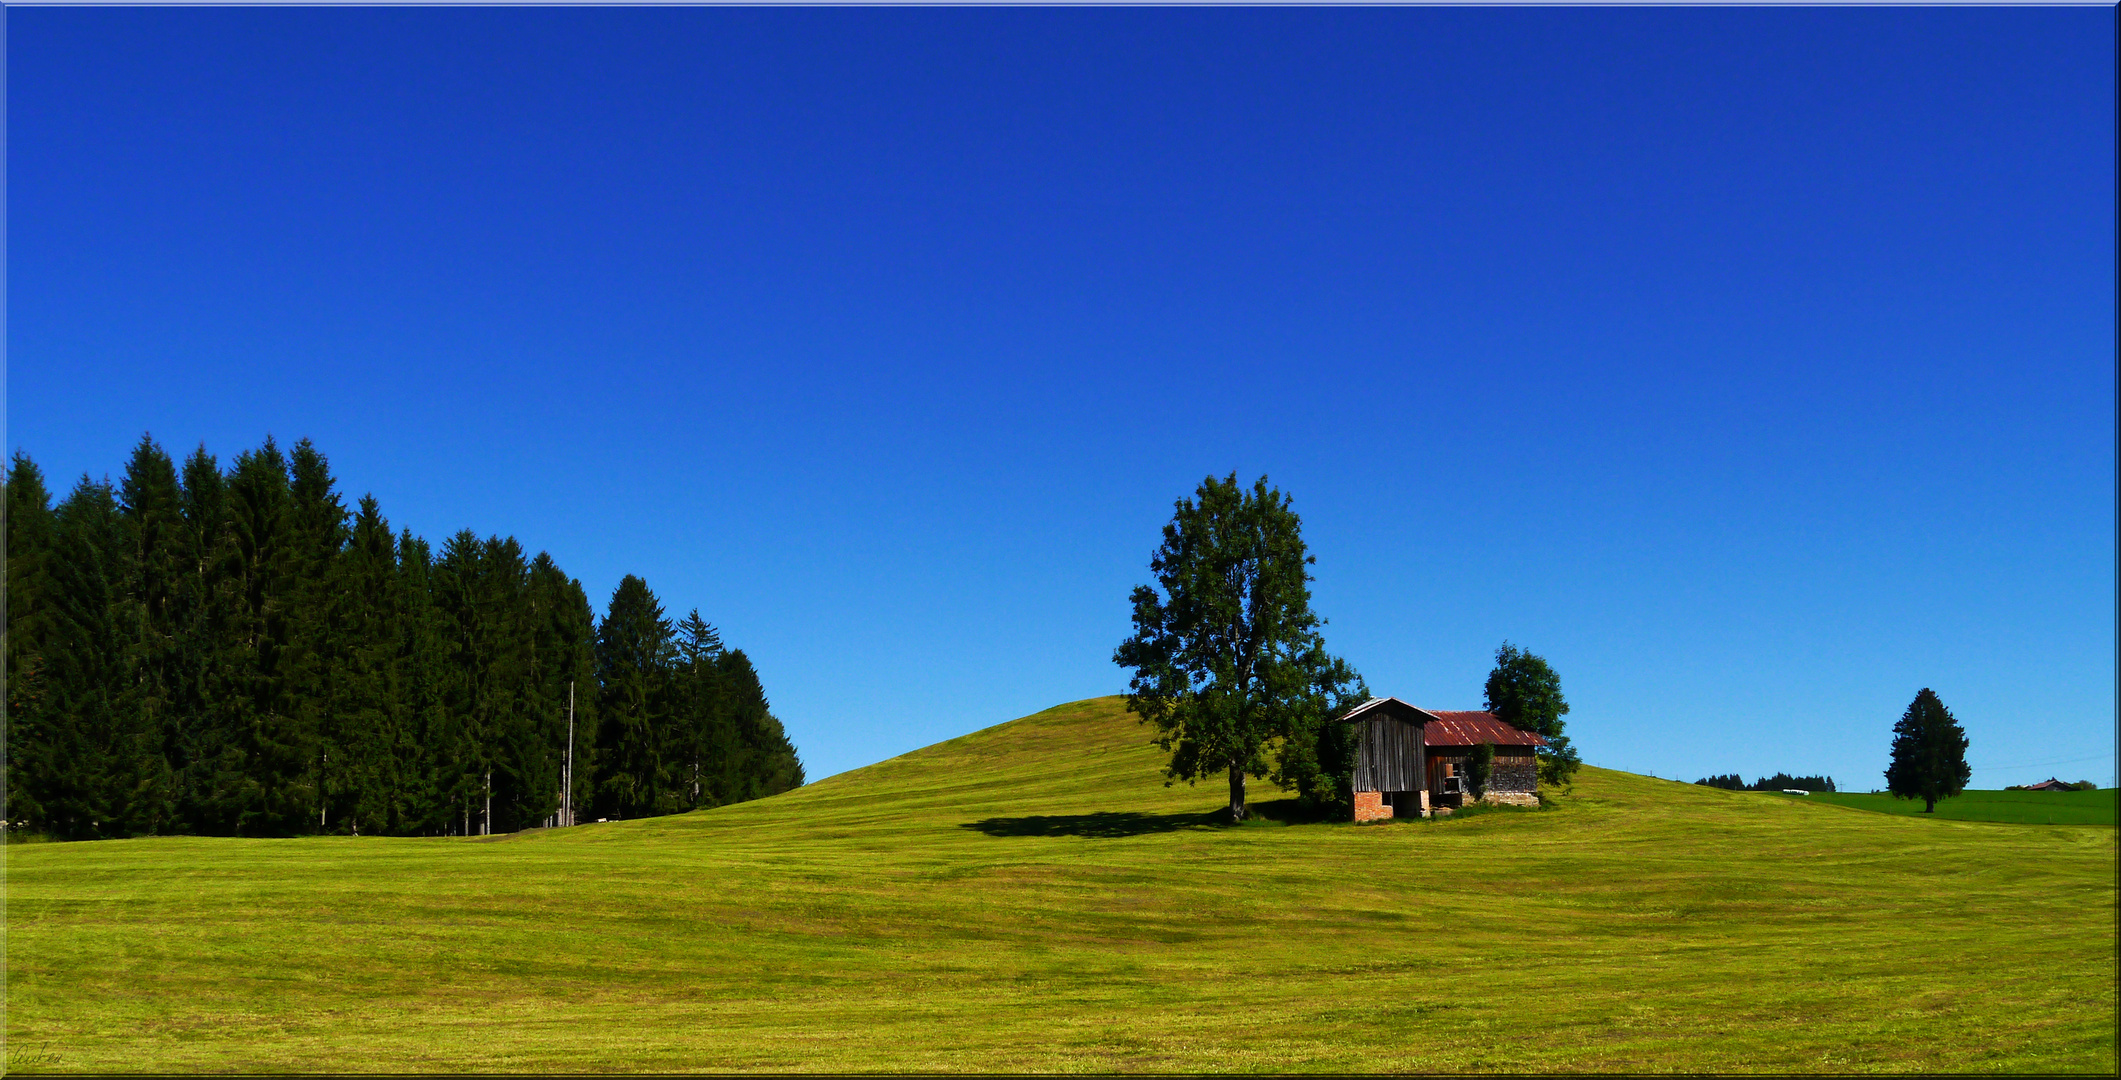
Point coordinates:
[(1412, 762)]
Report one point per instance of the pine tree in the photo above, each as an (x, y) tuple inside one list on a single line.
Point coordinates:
[(366, 792), (467, 617), (429, 759), (766, 762), (99, 779), (634, 657), (564, 655), (1929, 753), (524, 772), (31, 731), (157, 554), (316, 614), (209, 700), (704, 733), (276, 795)]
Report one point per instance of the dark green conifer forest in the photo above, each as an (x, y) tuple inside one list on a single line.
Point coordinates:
[(236, 652)]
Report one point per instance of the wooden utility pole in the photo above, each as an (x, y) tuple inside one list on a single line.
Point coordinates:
[(569, 798), (486, 824)]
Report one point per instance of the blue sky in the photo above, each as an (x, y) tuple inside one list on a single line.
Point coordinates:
[(1756, 367)]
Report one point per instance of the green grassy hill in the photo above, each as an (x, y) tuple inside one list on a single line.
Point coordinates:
[(1031, 897)]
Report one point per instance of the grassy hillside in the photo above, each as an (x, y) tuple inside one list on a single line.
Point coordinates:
[(1030, 897), (2016, 807)]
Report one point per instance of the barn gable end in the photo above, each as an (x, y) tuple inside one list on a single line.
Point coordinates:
[(1390, 762)]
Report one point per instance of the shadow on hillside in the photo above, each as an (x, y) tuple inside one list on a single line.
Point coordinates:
[(1111, 824), (1105, 826)]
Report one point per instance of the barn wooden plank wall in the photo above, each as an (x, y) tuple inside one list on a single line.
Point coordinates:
[(1391, 757)]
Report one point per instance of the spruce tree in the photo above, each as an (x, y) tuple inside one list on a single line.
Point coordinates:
[(471, 625), (525, 774), (101, 777), (277, 794), (1929, 753), (526, 780), (317, 612), (429, 759), (157, 555), (31, 721), (210, 695), (705, 728), (766, 762), (564, 658), (634, 658), (366, 791)]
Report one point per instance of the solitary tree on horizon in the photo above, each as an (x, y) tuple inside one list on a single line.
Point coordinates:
[(1929, 753), (1229, 656)]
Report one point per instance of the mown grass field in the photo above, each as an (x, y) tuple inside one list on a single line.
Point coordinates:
[(2014, 807), (1030, 897)]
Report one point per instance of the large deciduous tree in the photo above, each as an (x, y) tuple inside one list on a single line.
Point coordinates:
[(1524, 692), (1929, 753), (1228, 657)]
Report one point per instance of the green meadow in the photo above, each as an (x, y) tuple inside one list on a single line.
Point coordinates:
[(1031, 897), (2015, 807)]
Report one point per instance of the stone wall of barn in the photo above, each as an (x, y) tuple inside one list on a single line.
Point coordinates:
[(1514, 774), (1370, 806), (1513, 780)]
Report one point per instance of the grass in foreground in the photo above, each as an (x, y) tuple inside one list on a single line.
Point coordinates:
[(1030, 897), (2014, 807)]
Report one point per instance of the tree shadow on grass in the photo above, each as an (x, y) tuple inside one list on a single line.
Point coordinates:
[(1113, 824), (1103, 826)]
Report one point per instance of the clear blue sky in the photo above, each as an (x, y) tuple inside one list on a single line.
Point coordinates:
[(1757, 367)]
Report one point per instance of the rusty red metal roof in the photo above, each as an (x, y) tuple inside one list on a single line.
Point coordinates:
[(1454, 728)]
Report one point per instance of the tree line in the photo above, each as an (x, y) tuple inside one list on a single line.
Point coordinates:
[(1928, 759), (1778, 782), (236, 652)]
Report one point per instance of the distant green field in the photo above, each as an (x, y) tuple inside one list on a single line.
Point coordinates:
[(2016, 807), (1032, 898)]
